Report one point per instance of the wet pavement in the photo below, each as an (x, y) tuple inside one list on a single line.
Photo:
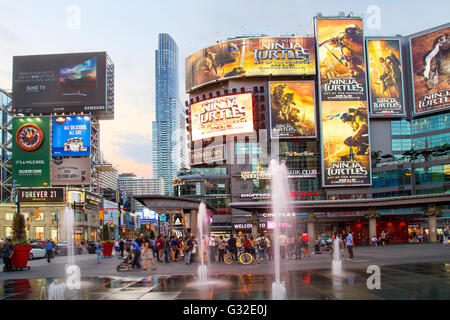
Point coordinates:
[(404, 282)]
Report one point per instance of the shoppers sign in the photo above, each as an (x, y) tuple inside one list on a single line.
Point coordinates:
[(31, 151), (209, 154), (71, 136), (293, 173), (41, 195), (430, 61)]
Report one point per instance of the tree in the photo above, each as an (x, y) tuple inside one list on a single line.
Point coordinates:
[(19, 234)]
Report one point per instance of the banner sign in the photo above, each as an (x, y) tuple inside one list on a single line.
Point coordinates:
[(292, 109), (71, 136), (31, 151), (344, 112), (208, 154), (260, 56), (430, 58), (41, 195), (384, 57)]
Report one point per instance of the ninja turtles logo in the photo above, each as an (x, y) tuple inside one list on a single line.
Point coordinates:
[(29, 137)]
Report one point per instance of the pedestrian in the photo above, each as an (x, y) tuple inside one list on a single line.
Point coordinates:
[(282, 240), (350, 245), (221, 249), (298, 245), (167, 249), (147, 254), (212, 247), (137, 254), (305, 242), (232, 245), (291, 247), (246, 244), (344, 237), (194, 250), (174, 247), (262, 243), (239, 243), (49, 250), (252, 247), (160, 247), (98, 251), (121, 247), (269, 247), (383, 238), (153, 247), (8, 252), (188, 244)]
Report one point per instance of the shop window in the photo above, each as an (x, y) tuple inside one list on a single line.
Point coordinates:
[(54, 234), (8, 232), (40, 233), (9, 216)]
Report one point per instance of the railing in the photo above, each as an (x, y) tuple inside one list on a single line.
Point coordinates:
[(406, 161)]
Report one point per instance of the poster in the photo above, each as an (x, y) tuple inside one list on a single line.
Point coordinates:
[(292, 109), (71, 136)]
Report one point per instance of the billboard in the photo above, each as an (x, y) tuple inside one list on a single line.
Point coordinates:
[(59, 83), (384, 57), (343, 101), (430, 58), (208, 154), (71, 171), (251, 57), (31, 151), (232, 114), (71, 136), (41, 194), (341, 59), (292, 109)]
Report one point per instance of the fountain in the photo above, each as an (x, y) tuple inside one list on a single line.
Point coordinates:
[(202, 271), (336, 264), (279, 185), (57, 291)]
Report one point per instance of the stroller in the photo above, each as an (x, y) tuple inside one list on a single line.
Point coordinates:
[(128, 263)]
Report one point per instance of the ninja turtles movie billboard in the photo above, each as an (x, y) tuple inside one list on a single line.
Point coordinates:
[(385, 77), (430, 58), (292, 109), (31, 151), (251, 57), (343, 102)]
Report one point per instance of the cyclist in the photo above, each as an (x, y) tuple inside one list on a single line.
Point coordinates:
[(232, 245)]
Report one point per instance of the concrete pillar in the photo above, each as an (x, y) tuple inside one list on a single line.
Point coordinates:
[(432, 228), (194, 227), (372, 228), (254, 224)]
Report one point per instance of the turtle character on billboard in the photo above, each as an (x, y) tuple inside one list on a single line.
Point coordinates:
[(385, 77), (292, 109), (341, 59), (430, 56), (346, 143)]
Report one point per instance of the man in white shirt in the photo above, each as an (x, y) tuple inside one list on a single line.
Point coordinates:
[(283, 245)]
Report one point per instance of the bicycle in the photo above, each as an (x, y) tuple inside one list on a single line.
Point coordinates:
[(244, 257)]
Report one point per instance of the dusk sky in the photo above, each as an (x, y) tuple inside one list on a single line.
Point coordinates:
[(128, 31)]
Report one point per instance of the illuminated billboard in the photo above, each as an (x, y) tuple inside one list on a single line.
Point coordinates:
[(292, 109), (343, 102), (71, 136), (251, 57), (59, 83), (385, 77), (430, 58), (232, 114), (71, 171)]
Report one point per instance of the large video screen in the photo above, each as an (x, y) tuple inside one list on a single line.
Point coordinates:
[(430, 57), (385, 77), (232, 114), (292, 109), (71, 136), (251, 57), (72, 82)]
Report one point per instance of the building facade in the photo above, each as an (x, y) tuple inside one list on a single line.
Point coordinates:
[(132, 185)]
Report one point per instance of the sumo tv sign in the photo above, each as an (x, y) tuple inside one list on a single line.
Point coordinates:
[(232, 114), (430, 58), (344, 113), (31, 151)]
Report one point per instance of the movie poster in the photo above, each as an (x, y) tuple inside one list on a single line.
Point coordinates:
[(292, 109), (345, 134), (385, 77), (232, 114), (341, 59), (251, 57), (430, 56)]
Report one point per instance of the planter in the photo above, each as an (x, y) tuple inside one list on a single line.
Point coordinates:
[(107, 248), (20, 256)]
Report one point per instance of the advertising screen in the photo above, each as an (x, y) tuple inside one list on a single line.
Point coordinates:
[(292, 109), (71, 136), (31, 151), (59, 83), (385, 77), (71, 171), (430, 57), (251, 57), (232, 114), (341, 59)]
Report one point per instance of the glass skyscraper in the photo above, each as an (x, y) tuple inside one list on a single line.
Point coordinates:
[(164, 129)]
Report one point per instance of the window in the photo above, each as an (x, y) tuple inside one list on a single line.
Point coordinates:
[(434, 174), (400, 128), (392, 178), (430, 124), (401, 144), (54, 234), (40, 233), (9, 216), (8, 232)]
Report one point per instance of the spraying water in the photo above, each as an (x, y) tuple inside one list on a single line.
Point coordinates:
[(202, 216), (336, 264), (279, 185)]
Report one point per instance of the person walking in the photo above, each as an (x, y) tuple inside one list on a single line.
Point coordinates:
[(383, 238), (98, 251), (49, 250), (121, 247), (160, 247), (350, 245), (153, 247), (221, 247), (305, 242), (8, 252), (147, 254), (167, 249), (137, 254)]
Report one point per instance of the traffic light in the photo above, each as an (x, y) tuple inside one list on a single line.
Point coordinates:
[(53, 220), (100, 214), (147, 224), (112, 223), (36, 213)]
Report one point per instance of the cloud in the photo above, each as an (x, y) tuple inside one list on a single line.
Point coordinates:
[(127, 164)]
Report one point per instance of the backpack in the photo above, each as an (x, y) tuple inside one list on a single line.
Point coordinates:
[(262, 243), (186, 246)]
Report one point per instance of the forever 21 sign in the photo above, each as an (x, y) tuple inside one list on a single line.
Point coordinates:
[(41, 194)]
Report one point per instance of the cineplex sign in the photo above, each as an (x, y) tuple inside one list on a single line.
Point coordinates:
[(293, 173)]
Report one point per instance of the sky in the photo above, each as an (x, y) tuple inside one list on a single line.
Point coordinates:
[(128, 32)]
